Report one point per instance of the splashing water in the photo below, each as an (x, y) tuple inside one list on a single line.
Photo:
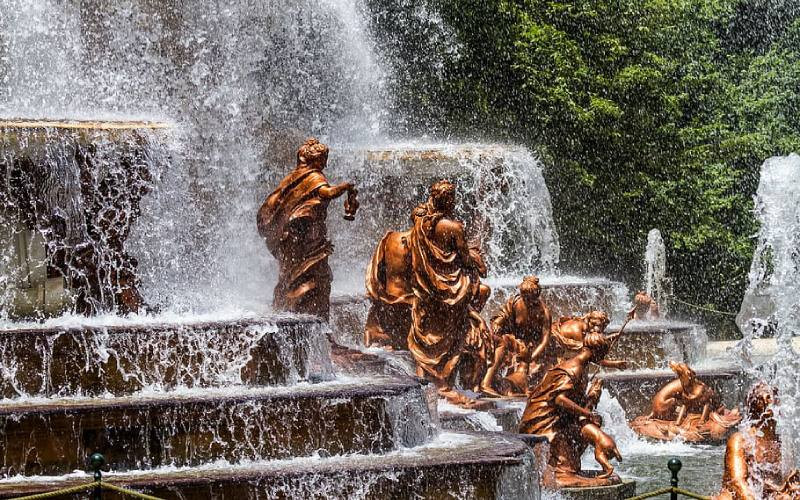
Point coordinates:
[(770, 305), (501, 195), (241, 82), (655, 260)]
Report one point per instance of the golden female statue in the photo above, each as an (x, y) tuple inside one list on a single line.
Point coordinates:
[(292, 221)]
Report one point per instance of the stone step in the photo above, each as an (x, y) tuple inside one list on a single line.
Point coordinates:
[(634, 390), (653, 344), (53, 437), (97, 360), (452, 466)]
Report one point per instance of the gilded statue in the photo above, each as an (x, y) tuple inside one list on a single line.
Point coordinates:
[(645, 307), (445, 288), (568, 335), (389, 290), (688, 409), (522, 334), (562, 409), (292, 221), (753, 460)]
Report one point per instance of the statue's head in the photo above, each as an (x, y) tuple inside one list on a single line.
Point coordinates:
[(599, 344), (443, 196), (529, 288), (642, 299), (313, 154), (682, 370), (759, 402), (597, 321)]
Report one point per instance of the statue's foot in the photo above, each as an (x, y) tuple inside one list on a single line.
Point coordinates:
[(489, 391), (455, 397)]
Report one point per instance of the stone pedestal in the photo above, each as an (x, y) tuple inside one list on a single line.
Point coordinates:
[(626, 489)]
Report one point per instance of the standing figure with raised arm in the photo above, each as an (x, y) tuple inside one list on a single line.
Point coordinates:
[(292, 222), (562, 409)]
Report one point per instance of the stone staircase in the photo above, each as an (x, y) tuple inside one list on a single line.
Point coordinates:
[(251, 408)]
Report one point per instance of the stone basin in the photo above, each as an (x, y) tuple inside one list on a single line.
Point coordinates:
[(653, 344), (88, 358)]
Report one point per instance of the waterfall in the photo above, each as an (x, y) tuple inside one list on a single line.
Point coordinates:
[(770, 306), (241, 82)]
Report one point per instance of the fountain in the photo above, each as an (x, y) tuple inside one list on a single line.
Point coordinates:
[(150, 126), (154, 132)]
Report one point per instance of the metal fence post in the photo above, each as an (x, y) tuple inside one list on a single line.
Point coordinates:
[(96, 462), (674, 466)]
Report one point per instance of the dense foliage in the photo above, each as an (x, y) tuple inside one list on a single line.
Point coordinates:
[(647, 113)]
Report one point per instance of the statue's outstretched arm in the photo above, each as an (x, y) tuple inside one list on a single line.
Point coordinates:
[(329, 192)]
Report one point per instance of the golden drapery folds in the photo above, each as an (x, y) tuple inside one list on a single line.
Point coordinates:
[(443, 289), (292, 221)]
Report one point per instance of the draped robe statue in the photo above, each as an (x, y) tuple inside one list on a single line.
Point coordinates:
[(292, 222), (562, 409), (443, 319), (388, 285)]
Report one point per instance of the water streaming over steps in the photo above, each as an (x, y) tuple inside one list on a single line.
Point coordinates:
[(135, 356)]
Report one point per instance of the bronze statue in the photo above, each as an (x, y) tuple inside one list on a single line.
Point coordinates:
[(753, 461), (562, 409), (645, 307), (389, 290), (443, 319), (686, 408), (522, 335), (292, 221), (568, 335)]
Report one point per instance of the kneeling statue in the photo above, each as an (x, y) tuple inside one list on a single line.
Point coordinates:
[(688, 409), (561, 409)]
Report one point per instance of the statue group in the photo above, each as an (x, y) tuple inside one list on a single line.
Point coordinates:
[(426, 297)]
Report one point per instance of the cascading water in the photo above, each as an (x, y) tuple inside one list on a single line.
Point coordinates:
[(770, 306), (241, 83), (501, 195), (655, 259)]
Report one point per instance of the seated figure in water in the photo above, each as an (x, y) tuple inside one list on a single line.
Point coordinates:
[(688, 409), (522, 334), (292, 222), (753, 459), (562, 409)]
